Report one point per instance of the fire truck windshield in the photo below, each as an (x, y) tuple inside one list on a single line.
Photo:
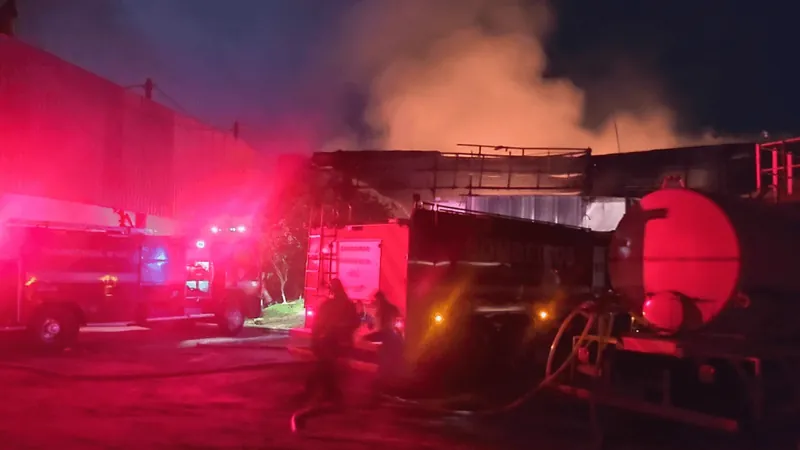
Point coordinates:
[(240, 261), (244, 267), (199, 276)]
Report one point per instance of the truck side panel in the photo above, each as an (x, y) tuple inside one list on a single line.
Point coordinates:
[(353, 249), (475, 282), (393, 258), (99, 272)]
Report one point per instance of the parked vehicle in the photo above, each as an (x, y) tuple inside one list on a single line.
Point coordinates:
[(56, 278), (702, 327), (469, 286)]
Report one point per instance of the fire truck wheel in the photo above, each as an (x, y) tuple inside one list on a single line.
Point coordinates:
[(231, 319), (54, 328)]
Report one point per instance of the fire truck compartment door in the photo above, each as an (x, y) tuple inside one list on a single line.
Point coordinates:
[(360, 267)]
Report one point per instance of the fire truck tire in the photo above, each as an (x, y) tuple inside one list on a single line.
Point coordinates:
[(231, 319), (54, 328)]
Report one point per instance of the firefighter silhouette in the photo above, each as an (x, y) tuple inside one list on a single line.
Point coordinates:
[(390, 352), (331, 340)]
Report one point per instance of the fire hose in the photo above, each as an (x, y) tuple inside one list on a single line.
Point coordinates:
[(155, 375), (587, 309), (150, 376)]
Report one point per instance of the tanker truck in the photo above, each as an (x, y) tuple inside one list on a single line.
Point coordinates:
[(473, 289), (702, 325)]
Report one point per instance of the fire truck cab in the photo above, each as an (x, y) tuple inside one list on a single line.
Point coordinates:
[(225, 263), (56, 278)]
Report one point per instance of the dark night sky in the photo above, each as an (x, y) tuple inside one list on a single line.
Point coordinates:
[(727, 64), (722, 65)]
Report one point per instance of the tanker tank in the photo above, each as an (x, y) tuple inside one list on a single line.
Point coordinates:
[(689, 262)]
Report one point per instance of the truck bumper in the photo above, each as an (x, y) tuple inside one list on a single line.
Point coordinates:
[(251, 306), (300, 337)]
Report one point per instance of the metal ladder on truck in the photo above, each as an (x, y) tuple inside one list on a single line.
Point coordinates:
[(322, 264), (328, 257)]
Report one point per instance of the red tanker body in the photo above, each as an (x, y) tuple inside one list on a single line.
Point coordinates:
[(688, 261), (703, 320)]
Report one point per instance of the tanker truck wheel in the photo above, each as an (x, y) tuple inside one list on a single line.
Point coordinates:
[(53, 328), (231, 318)]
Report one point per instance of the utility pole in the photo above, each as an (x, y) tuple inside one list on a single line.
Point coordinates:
[(148, 88), (8, 15), (616, 131)]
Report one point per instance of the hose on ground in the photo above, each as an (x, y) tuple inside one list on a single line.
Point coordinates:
[(244, 346), (585, 310), (299, 418), (151, 376)]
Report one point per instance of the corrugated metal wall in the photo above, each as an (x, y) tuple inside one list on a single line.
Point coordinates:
[(563, 209), (213, 170), (51, 136), (70, 135), (597, 213), (138, 158)]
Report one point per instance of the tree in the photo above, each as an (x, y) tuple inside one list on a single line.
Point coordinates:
[(287, 221), (284, 233), (284, 249)]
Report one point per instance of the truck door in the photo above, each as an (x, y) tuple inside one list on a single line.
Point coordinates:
[(360, 267), (163, 276)]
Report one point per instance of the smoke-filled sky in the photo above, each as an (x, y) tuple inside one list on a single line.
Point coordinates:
[(428, 74)]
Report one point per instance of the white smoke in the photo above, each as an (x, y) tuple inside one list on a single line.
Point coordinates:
[(438, 78)]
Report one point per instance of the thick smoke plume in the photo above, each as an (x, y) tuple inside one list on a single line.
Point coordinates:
[(443, 72)]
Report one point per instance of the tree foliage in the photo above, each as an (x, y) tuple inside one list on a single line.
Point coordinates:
[(287, 220), (285, 248)]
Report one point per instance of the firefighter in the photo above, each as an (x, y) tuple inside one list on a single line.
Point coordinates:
[(331, 340), (390, 353)]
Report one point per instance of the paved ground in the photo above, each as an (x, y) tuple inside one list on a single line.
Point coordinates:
[(77, 401)]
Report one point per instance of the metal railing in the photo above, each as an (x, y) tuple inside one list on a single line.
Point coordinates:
[(779, 168), (25, 223), (487, 168)]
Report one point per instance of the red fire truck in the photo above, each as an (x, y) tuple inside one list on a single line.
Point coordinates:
[(59, 277), (461, 279)]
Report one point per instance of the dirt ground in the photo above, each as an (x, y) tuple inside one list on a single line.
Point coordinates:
[(103, 395)]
